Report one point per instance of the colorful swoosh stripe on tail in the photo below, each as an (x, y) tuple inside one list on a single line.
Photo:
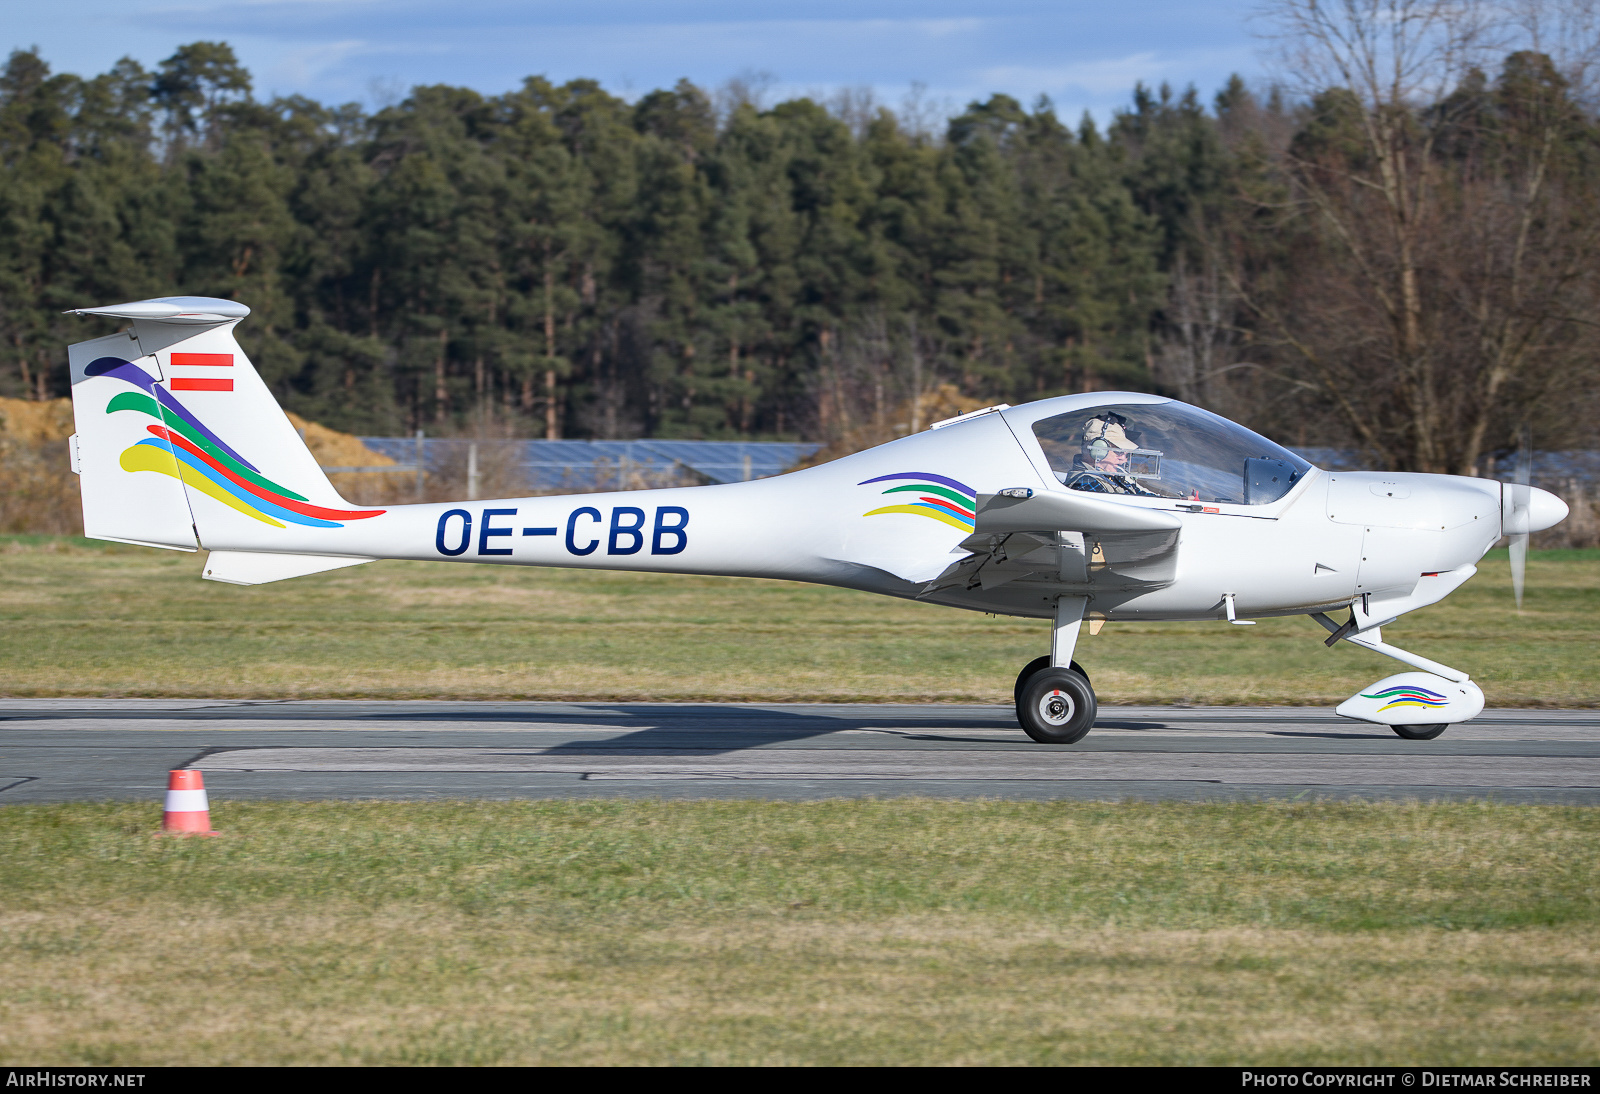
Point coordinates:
[(938, 497), (132, 400), (1408, 696), (124, 370), (183, 448)]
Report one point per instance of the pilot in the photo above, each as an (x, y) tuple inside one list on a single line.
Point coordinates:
[(1102, 464)]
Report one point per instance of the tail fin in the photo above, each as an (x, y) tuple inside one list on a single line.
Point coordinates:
[(181, 445)]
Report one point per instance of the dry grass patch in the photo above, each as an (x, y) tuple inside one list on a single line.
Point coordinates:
[(280, 988), (840, 932)]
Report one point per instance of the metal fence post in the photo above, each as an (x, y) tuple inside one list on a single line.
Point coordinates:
[(418, 462)]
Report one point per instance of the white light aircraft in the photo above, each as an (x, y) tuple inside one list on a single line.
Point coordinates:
[(1101, 506)]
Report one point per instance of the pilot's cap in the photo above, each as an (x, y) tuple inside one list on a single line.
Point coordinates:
[(1107, 432)]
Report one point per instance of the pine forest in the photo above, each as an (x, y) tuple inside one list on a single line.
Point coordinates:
[(1406, 271)]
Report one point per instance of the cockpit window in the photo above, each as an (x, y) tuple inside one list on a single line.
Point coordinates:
[(1167, 450)]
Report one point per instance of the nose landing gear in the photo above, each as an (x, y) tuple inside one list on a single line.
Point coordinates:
[(1406, 701)]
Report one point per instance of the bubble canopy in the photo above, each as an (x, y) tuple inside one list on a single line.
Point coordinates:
[(1166, 450)]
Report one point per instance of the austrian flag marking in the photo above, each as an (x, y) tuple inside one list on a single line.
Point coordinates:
[(201, 383)]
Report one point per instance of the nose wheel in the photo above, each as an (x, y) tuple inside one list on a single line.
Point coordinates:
[(1055, 706), (1420, 733)]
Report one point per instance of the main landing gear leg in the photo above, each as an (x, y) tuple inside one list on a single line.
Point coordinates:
[(1055, 703)]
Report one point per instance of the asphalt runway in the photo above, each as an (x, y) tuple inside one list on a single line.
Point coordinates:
[(78, 749)]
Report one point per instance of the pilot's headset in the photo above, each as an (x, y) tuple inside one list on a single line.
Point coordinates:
[(1094, 434)]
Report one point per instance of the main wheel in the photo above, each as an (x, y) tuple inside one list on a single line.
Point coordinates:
[(1057, 707), (1034, 666), (1420, 733)]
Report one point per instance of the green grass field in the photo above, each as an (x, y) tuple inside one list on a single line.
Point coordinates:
[(91, 619), (839, 932)]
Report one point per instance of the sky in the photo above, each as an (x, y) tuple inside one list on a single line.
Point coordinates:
[(1083, 54)]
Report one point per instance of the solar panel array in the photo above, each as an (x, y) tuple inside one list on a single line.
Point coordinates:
[(604, 465)]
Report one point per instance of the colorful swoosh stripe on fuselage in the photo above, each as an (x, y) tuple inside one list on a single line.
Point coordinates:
[(1408, 696), (185, 449), (940, 498)]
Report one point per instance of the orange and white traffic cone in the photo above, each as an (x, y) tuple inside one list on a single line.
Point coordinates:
[(187, 812)]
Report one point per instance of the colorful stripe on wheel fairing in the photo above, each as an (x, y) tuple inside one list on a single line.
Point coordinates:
[(1408, 696)]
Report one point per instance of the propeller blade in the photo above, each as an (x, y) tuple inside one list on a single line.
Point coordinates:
[(1521, 500), (1519, 564)]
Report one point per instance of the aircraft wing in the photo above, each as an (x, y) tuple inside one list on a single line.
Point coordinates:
[(1072, 540), (1069, 511)]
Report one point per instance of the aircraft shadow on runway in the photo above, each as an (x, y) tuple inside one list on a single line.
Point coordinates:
[(710, 727), (716, 728), (715, 719)]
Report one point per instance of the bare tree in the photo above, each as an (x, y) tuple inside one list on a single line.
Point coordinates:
[(751, 87), (1202, 333), (1443, 225)]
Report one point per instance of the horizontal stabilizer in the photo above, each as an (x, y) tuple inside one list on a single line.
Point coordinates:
[(172, 309), (1068, 511), (259, 567)]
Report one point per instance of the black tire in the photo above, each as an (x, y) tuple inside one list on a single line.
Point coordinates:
[(1032, 667), (1058, 707), (1420, 733)]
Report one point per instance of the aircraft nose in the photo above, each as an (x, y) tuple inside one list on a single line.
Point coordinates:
[(1542, 510)]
